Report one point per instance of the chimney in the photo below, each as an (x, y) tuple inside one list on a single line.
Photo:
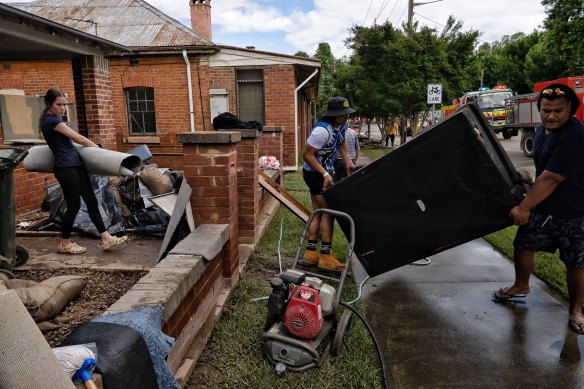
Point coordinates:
[(201, 17)]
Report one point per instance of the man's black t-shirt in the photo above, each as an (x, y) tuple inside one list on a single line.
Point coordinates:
[(562, 152)]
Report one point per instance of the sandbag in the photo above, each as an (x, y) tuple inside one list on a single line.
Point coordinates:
[(47, 298), (157, 182), (98, 161)]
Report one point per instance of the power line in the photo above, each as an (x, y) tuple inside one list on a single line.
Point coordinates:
[(383, 5), (371, 2), (433, 21)]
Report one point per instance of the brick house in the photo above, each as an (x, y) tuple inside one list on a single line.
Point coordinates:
[(159, 83), (157, 78)]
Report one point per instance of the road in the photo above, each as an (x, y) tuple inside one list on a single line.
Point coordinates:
[(514, 152)]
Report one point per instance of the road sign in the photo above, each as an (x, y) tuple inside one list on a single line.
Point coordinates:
[(434, 93)]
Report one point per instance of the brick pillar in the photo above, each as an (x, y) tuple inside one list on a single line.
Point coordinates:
[(247, 185), (97, 93), (210, 168), (271, 142)]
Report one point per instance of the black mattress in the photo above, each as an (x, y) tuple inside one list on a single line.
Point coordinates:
[(449, 185)]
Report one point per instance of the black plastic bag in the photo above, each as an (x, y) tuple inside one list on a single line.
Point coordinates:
[(227, 120), (108, 208)]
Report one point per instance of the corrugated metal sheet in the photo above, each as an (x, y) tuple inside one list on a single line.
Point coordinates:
[(133, 23)]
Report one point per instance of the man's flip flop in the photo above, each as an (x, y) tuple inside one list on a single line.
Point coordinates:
[(501, 295), (577, 326)]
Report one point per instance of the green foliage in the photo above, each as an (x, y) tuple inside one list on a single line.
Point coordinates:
[(388, 72), (519, 61), (326, 86), (565, 25), (302, 54)]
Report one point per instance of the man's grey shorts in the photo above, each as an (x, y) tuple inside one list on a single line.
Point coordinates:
[(546, 233)]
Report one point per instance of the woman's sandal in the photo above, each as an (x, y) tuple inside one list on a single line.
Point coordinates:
[(73, 248), (114, 241)]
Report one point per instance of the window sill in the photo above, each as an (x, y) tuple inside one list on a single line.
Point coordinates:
[(142, 139)]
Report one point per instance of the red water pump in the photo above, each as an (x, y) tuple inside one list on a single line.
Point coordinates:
[(303, 316)]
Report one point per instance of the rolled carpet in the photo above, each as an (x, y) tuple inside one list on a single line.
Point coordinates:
[(100, 162), (26, 361)]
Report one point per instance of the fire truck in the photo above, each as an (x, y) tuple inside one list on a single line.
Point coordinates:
[(492, 104), (522, 114)]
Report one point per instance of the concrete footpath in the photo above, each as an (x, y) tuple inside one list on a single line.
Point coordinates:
[(438, 326)]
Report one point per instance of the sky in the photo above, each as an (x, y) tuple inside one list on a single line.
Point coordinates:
[(289, 26)]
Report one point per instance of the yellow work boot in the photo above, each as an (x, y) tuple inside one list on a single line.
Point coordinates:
[(310, 257), (329, 262)]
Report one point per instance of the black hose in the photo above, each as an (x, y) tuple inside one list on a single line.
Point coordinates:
[(381, 363)]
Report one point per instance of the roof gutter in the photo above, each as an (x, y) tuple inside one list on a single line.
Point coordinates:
[(191, 109), (295, 167)]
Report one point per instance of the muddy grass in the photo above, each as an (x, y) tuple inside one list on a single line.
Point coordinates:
[(102, 290)]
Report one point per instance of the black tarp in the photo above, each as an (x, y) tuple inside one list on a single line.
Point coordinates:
[(449, 185)]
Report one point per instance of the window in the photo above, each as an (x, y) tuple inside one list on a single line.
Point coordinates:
[(250, 94), (140, 109)]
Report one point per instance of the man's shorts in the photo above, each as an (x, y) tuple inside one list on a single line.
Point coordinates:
[(314, 181), (544, 232)]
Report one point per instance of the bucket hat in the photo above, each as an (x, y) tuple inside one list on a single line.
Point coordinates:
[(554, 91), (338, 106)]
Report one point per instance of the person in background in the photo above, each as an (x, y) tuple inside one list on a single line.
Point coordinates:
[(353, 148), (71, 174), (551, 216), (391, 131), (326, 138)]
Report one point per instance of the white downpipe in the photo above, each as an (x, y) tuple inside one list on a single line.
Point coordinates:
[(295, 167), (191, 109)]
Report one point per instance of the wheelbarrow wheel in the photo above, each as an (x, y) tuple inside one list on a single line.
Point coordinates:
[(21, 256), (342, 330)]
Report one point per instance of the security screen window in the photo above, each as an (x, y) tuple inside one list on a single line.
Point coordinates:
[(140, 109), (250, 94)]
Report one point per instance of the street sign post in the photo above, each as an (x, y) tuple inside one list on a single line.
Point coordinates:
[(434, 97)]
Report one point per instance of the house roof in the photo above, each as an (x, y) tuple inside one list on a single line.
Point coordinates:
[(24, 36), (132, 23)]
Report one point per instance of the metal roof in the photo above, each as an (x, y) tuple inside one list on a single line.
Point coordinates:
[(132, 23)]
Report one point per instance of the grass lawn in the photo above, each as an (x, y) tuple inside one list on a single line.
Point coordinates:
[(233, 357)]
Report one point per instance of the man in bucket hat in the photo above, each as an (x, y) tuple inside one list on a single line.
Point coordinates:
[(326, 138), (551, 216)]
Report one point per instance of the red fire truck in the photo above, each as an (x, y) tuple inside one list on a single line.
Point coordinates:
[(523, 115)]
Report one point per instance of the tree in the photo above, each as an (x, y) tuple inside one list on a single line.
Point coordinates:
[(565, 25), (302, 54), (392, 68), (326, 87)]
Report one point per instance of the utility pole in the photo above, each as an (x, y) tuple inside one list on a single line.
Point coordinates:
[(411, 6)]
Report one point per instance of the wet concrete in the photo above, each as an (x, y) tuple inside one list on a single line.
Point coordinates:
[(439, 327), (140, 253)]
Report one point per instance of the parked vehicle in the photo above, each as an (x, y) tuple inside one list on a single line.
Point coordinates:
[(523, 115), (492, 104)]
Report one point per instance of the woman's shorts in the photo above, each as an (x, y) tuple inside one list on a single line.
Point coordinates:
[(548, 233)]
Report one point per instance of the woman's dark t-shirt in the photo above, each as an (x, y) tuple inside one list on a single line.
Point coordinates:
[(65, 154)]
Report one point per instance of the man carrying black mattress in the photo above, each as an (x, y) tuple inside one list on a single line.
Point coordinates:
[(551, 216)]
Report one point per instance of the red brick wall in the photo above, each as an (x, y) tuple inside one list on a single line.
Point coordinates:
[(97, 93), (168, 77), (201, 17), (279, 84), (247, 190), (210, 170), (35, 78)]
